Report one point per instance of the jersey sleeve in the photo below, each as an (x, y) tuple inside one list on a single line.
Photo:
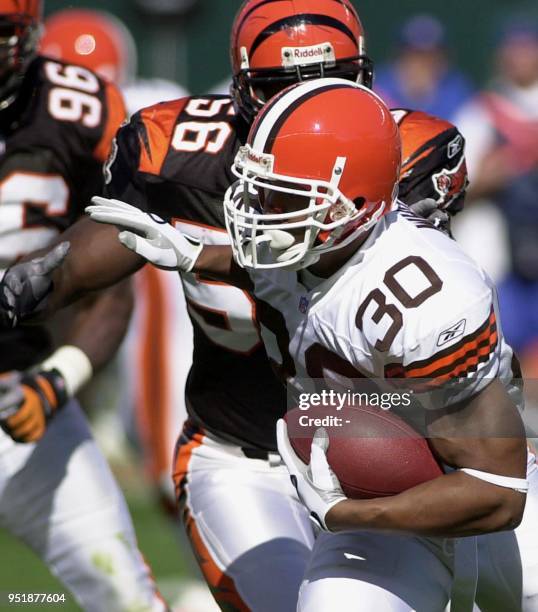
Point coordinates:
[(115, 116), (122, 180), (133, 172), (451, 355)]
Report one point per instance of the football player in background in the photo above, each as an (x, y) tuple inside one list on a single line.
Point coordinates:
[(351, 284), (57, 493), (157, 354), (100, 41), (379, 287), (174, 160)]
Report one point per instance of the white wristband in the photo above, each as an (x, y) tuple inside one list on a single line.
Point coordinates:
[(518, 484), (73, 364)]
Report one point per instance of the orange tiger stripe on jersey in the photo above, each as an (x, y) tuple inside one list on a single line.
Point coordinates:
[(159, 121), (116, 116), (416, 133), (409, 163)]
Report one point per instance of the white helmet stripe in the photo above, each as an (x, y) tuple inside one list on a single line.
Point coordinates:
[(274, 111)]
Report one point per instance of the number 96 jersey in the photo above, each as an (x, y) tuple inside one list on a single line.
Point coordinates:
[(174, 159), (53, 140), (409, 304)]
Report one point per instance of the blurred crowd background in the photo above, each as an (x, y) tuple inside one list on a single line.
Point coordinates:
[(474, 63)]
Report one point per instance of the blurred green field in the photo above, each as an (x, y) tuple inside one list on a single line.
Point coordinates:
[(21, 571)]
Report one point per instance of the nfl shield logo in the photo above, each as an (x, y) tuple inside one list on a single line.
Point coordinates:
[(303, 305)]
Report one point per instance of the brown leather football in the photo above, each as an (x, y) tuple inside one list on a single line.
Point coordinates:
[(373, 452)]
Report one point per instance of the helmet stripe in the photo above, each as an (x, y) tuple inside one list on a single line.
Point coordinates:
[(291, 108), (276, 112), (298, 20), (252, 10)]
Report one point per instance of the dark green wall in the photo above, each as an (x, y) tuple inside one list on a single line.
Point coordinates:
[(203, 60)]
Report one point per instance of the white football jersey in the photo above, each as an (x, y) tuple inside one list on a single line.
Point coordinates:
[(409, 304)]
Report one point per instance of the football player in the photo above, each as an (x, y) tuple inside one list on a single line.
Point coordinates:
[(101, 42), (153, 398), (173, 160), (349, 283), (57, 493)]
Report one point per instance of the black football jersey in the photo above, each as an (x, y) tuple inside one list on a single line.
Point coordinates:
[(53, 141), (174, 160)]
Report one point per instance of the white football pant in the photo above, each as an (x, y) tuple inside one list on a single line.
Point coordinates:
[(250, 533), (367, 571), (60, 498)]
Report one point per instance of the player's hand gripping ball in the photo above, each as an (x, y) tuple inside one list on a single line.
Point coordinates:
[(374, 453)]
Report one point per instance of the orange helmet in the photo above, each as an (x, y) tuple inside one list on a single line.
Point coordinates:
[(20, 22), (433, 160), (329, 144), (95, 40), (276, 44)]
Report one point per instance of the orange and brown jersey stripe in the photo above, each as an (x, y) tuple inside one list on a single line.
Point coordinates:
[(457, 361)]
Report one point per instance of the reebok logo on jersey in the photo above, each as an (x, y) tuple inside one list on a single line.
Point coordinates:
[(303, 305), (455, 146), (449, 334)]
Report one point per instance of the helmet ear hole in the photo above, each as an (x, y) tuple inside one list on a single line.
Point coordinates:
[(359, 202)]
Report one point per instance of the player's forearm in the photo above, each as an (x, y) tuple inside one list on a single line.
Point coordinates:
[(218, 263), (96, 261), (101, 322), (454, 505)]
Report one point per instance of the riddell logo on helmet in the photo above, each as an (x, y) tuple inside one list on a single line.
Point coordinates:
[(299, 56), (307, 53)]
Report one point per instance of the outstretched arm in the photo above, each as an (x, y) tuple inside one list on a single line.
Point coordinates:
[(87, 257), (165, 246), (96, 260)]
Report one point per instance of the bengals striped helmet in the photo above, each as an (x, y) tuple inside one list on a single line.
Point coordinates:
[(319, 169), (93, 39), (433, 160), (277, 43), (20, 22)]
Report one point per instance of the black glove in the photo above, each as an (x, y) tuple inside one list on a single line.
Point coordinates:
[(26, 285), (428, 209)]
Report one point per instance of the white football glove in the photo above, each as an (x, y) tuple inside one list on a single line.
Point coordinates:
[(317, 485), (148, 235)]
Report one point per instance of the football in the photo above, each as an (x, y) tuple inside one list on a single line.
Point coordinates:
[(373, 452)]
